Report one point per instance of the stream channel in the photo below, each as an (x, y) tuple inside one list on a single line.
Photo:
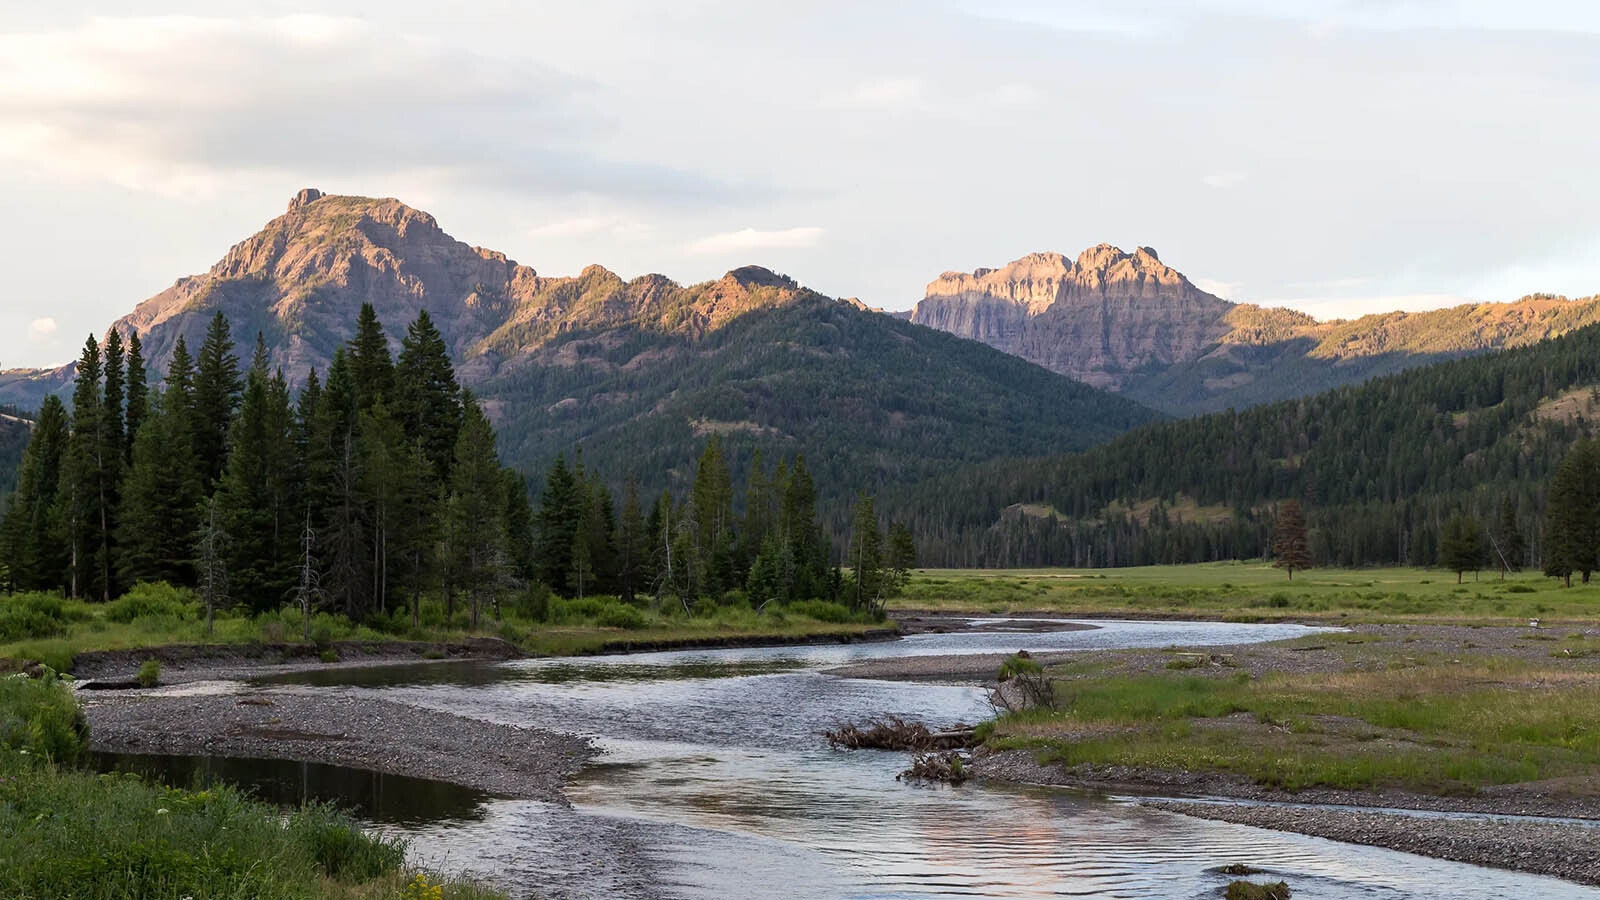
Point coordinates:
[(714, 782)]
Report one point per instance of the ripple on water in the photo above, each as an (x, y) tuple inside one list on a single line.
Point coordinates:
[(715, 785)]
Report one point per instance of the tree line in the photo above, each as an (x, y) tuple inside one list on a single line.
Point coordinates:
[(377, 484), (1380, 469)]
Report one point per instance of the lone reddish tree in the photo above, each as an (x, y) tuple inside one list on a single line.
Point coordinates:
[(1289, 548)]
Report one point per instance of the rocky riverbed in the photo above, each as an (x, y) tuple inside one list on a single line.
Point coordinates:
[(226, 719)]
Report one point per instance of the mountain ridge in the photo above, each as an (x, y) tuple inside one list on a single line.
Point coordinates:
[(1130, 323)]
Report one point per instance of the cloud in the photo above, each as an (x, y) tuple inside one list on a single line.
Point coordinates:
[(1223, 289), (1015, 94), (753, 239), (1224, 180), (177, 104), (42, 329), (588, 226), (883, 93)]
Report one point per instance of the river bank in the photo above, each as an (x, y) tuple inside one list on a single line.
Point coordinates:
[(1330, 735)]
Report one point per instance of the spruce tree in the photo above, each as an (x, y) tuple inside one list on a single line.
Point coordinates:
[(1461, 545), (427, 395), (370, 363), (161, 500), (901, 557), (477, 503), (1572, 514), (84, 492), (631, 543), (868, 588), (557, 524), (383, 493), (217, 385), (1290, 549), (255, 498), (32, 538), (1510, 547), (138, 402)]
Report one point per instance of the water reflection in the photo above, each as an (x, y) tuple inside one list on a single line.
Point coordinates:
[(372, 796), (715, 784)]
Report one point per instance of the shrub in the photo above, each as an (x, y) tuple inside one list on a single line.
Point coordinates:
[(154, 600), (1249, 890), (339, 847), (34, 615), (620, 615), (55, 654), (40, 716), (149, 673), (532, 602), (821, 610)]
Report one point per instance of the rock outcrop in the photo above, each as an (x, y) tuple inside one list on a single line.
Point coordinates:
[(1130, 323), (1097, 319)]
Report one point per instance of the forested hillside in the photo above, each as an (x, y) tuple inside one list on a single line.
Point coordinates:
[(868, 401), (1379, 467), (14, 431)]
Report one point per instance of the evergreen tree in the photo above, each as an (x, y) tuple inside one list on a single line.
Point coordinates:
[(256, 497), (138, 403), (161, 500), (112, 397), (427, 395), (382, 486), (560, 509), (85, 494), (711, 507), (32, 538), (1461, 545), (370, 363), (477, 502), (1572, 514), (902, 555), (868, 588), (217, 385), (1290, 549), (799, 528), (631, 544), (521, 547)]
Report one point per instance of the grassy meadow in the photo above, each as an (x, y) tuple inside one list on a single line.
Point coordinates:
[(1254, 591)]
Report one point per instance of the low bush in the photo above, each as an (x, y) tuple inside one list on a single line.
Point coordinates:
[(149, 673), (155, 600), (34, 615), (40, 717)]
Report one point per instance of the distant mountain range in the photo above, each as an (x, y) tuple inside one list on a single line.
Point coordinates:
[(635, 373), (1130, 323)]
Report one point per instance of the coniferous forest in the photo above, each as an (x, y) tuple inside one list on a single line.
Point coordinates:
[(1380, 468), (377, 484)]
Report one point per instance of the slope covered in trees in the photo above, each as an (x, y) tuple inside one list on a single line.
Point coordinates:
[(1379, 469), (867, 400)]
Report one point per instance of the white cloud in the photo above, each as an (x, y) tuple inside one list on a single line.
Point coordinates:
[(1224, 180), (179, 104), (1015, 94), (753, 239), (42, 329), (884, 93), (588, 226), (1224, 289)]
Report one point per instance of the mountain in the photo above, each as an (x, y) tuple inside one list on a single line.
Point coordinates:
[(638, 373), (1132, 324), (1379, 467)]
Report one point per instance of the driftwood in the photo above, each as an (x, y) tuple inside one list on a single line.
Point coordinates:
[(948, 767), (895, 733)]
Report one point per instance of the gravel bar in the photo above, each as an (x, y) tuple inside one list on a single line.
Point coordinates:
[(1562, 850), (340, 729)]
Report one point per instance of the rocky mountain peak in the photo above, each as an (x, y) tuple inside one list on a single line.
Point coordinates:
[(757, 276), (304, 198)]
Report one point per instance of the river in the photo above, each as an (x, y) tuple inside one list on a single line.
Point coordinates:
[(715, 783)]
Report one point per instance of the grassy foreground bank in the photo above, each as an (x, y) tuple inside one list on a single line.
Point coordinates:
[(1433, 710), (1254, 591), (53, 630), (72, 834)]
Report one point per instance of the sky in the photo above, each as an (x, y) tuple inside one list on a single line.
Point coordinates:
[(1337, 156)]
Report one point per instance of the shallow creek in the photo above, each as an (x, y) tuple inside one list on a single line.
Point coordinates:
[(715, 783)]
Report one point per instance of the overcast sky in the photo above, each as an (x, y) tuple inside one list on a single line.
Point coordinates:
[(1343, 156)]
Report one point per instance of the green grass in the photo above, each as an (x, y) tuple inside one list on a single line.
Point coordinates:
[(1254, 592), (1427, 725), (72, 834), (52, 630)]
